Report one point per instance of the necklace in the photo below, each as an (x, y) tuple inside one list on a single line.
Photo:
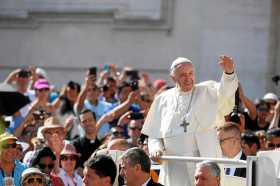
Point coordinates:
[(189, 104)]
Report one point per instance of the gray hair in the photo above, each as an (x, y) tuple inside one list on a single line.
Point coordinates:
[(135, 156), (212, 166)]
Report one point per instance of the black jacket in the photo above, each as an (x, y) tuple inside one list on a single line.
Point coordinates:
[(152, 183), (241, 172)]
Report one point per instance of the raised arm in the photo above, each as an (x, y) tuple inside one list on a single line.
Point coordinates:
[(78, 106), (229, 81), (248, 103)]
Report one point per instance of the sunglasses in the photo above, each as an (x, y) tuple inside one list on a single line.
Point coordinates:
[(117, 133), (65, 158), (34, 180), (9, 146), (43, 166), (135, 128), (43, 89), (272, 145)]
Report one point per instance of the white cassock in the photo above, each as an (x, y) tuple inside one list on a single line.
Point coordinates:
[(208, 103)]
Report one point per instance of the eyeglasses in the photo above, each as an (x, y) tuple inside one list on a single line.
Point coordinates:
[(43, 166), (9, 146), (225, 139), (273, 145), (34, 180), (65, 158)]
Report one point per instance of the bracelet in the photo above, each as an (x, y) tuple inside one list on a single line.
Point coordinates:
[(229, 73)]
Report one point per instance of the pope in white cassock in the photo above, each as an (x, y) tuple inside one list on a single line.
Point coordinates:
[(182, 120)]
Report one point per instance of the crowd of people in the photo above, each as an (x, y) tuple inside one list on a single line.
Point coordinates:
[(91, 133)]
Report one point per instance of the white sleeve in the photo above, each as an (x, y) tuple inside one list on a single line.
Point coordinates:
[(155, 144)]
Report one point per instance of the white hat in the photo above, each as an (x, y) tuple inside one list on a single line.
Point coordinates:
[(41, 72), (270, 96), (178, 61), (30, 171)]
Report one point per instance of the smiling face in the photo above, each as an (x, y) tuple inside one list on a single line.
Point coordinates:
[(183, 76), (68, 163), (8, 151)]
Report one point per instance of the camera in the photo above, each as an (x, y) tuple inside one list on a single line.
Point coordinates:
[(134, 85), (40, 114), (234, 117), (132, 74), (276, 79)]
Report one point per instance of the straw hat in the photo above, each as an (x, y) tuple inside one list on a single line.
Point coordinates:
[(6, 136), (51, 123), (69, 149)]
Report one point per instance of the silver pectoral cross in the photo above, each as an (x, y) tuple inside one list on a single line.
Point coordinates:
[(184, 124)]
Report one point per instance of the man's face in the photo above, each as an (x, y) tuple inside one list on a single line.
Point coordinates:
[(93, 92), (273, 143), (134, 128), (22, 83), (123, 95), (249, 151), (88, 122), (128, 172), (184, 76), (92, 179), (203, 177), (54, 136), (8, 151), (227, 140)]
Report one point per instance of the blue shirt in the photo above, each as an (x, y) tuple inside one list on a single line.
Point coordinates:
[(19, 168), (100, 109), (15, 123)]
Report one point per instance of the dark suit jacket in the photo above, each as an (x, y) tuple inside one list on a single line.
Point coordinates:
[(152, 183), (241, 172)]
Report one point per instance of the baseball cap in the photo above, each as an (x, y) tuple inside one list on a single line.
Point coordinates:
[(41, 84)]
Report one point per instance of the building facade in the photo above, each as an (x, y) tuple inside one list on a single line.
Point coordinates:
[(68, 36)]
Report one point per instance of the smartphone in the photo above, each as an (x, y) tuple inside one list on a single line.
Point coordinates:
[(134, 85), (136, 115), (92, 71)]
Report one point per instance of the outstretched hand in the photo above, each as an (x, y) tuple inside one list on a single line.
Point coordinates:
[(226, 64)]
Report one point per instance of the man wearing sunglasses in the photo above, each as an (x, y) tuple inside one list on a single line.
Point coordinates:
[(273, 142), (134, 131), (10, 168)]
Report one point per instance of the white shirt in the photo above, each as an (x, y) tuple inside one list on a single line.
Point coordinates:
[(237, 157)]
